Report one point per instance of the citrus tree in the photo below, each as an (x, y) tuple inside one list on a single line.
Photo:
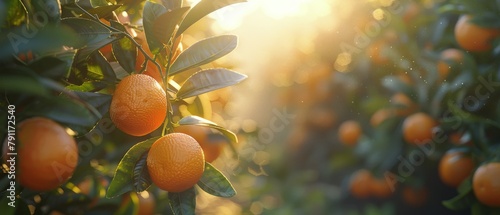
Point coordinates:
[(101, 100), (408, 93)]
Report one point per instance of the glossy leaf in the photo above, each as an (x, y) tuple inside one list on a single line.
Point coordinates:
[(48, 39), (124, 50), (164, 25), (99, 101), (66, 111), (142, 180), (150, 13), (89, 32), (209, 80), (183, 203), (172, 4), (102, 11), (215, 183), (100, 69), (50, 67), (50, 8), (202, 9), (84, 53), (196, 120), (464, 199), (203, 52), (123, 179), (20, 83)]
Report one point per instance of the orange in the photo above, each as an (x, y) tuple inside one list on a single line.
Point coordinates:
[(211, 145), (472, 37), (406, 105), (46, 154), (455, 167), (415, 196), (380, 115), (360, 183), (417, 128), (380, 188), (486, 185), (449, 54), (139, 105), (349, 132), (175, 162)]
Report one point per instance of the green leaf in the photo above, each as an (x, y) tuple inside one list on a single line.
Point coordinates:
[(172, 4), (215, 183), (202, 9), (124, 50), (203, 52), (50, 8), (196, 120), (50, 38), (84, 53), (89, 31), (100, 69), (464, 199), (20, 83), (97, 3), (64, 110), (50, 67), (102, 11), (164, 25), (99, 101), (16, 13), (183, 203), (209, 80), (142, 180), (123, 179), (150, 13)]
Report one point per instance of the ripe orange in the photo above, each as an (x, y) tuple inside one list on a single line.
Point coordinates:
[(349, 132), (472, 37), (360, 183), (449, 54), (455, 167), (380, 188), (46, 154), (417, 128), (139, 105), (381, 115), (211, 145), (407, 105), (415, 196), (175, 162), (486, 185)]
